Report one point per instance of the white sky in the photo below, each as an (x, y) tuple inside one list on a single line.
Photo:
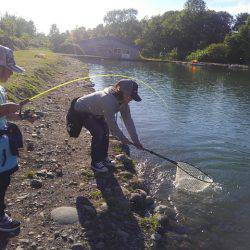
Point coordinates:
[(72, 13)]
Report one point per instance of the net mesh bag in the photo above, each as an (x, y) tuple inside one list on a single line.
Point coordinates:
[(191, 178)]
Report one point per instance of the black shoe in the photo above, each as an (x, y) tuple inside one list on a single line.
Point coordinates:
[(108, 162), (99, 167), (8, 225)]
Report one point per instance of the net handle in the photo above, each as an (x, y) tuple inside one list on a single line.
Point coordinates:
[(175, 163), (156, 154)]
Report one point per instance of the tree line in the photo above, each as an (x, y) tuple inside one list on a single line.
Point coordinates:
[(195, 32), (16, 32)]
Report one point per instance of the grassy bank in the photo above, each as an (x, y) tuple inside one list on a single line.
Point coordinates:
[(40, 68)]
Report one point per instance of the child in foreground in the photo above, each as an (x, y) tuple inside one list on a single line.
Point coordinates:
[(10, 136)]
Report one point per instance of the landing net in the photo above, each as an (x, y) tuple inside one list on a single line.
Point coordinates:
[(191, 178)]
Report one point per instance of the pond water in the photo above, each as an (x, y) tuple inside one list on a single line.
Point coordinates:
[(202, 117)]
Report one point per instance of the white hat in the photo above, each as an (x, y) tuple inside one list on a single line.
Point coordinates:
[(7, 60)]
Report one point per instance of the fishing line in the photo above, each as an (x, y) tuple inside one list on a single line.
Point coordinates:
[(94, 76)]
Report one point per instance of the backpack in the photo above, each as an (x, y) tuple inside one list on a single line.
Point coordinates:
[(15, 137), (73, 121)]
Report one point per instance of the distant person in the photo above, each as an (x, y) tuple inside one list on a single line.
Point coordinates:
[(96, 112), (10, 136)]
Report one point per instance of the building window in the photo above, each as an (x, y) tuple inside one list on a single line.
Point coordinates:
[(125, 51), (118, 51)]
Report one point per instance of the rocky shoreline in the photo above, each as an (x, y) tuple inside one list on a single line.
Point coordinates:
[(99, 211)]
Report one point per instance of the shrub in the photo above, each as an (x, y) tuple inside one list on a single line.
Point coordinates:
[(213, 53), (19, 43), (70, 48), (173, 54), (6, 41), (39, 41), (148, 52)]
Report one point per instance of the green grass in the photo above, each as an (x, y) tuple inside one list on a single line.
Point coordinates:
[(87, 175), (149, 223), (127, 175), (96, 194), (38, 73), (133, 163), (117, 150), (29, 174)]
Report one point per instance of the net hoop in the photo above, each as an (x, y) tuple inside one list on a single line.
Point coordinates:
[(205, 174)]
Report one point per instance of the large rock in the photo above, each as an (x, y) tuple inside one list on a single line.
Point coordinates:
[(156, 237), (163, 223), (122, 235), (30, 145), (160, 209), (165, 210), (65, 215), (78, 246), (35, 183), (139, 183), (42, 173), (138, 199), (121, 157), (50, 175), (149, 201)]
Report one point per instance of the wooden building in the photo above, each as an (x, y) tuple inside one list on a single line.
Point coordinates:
[(110, 47)]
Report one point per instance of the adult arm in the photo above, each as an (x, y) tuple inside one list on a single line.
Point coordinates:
[(114, 128), (12, 108), (9, 108), (129, 124), (12, 111)]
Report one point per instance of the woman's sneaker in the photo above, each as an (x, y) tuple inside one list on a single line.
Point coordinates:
[(8, 225), (108, 162), (99, 167)]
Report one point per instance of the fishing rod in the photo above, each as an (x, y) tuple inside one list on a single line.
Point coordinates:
[(94, 76)]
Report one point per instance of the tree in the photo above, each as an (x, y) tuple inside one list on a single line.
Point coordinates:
[(40, 40), (98, 31), (120, 16), (239, 44), (24, 27), (234, 49), (17, 26), (78, 34), (7, 24), (53, 30), (123, 24), (241, 19), (195, 6), (56, 39), (215, 26)]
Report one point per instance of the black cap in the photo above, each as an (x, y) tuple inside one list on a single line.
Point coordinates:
[(134, 93), (131, 87)]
